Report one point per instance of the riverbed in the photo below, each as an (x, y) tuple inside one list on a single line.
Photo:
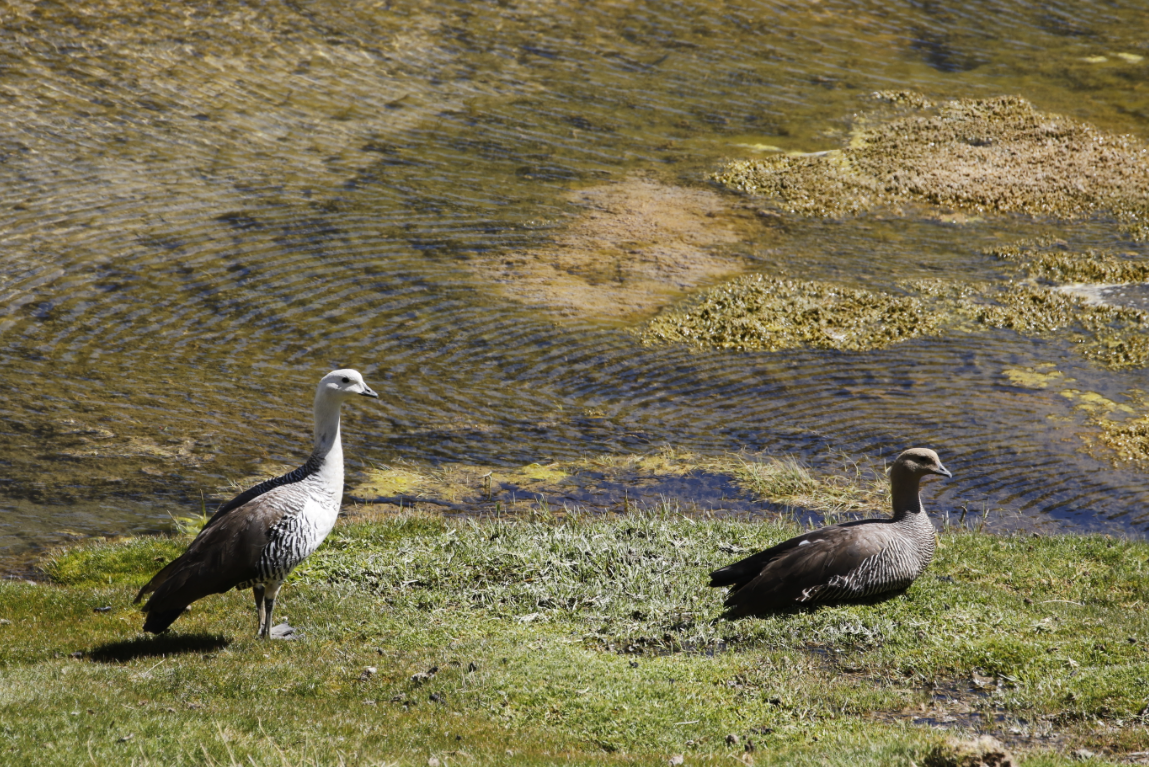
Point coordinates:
[(479, 206)]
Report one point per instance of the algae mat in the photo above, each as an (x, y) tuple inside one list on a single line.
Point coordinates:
[(990, 156)]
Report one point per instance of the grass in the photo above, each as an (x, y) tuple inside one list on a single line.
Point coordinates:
[(576, 640), (790, 482)]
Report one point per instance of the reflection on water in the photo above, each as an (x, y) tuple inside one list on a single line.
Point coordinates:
[(205, 209)]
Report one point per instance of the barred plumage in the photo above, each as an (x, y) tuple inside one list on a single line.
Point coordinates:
[(852, 560), (257, 539)]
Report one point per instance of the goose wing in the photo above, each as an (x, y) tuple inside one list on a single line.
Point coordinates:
[(779, 577), (224, 554)]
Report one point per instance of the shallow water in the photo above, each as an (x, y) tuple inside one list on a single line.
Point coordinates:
[(205, 210)]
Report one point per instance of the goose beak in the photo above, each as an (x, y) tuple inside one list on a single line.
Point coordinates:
[(943, 471), (368, 393)]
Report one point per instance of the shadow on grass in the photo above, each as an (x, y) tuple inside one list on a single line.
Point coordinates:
[(875, 599), (153, 646)]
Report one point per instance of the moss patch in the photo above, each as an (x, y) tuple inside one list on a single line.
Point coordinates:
[(1128, 439), (998, 155), (1033, 309), (1121, 350), (984, 751)]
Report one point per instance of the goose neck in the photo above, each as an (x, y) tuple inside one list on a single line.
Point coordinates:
[(328, 446), (904, 493)]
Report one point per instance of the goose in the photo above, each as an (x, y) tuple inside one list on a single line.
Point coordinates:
[(257, 538), (851, 560)]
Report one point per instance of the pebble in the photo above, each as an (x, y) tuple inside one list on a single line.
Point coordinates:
[(423, 676)]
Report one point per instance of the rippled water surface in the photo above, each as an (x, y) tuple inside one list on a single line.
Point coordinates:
[(206, 207)]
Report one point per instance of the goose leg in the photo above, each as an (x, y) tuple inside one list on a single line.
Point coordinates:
[(261, 608), (282, 631)]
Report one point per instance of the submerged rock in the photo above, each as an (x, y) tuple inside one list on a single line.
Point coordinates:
[(636, 247)]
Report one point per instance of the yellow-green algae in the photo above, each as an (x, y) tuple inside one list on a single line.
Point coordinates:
[(995, 155), (759, 312), (1093, 403), (387, 481), (1038, 377), (756, 312), (1129, 439), (1062, 265), (457, 483), (1122, 433), (783, 481), (1122, 427)]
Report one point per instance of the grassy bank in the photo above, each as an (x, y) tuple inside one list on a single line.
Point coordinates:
[(588, 641)]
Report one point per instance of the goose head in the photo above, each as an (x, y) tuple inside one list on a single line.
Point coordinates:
[(344, 383), (918, 462)]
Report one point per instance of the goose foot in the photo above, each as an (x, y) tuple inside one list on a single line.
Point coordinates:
[(283, 631)]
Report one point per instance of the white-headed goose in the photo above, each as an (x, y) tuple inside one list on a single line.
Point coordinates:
[(257, 538)]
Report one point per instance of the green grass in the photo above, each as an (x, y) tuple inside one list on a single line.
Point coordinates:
[(575, 640)]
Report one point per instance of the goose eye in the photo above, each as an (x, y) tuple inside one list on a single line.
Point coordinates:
[(346, 379)]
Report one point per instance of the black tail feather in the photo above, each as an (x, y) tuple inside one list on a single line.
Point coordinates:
[(743, 571), (727, 576)]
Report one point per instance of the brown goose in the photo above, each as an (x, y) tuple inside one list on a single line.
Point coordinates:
[(257, 538), (841, 562)]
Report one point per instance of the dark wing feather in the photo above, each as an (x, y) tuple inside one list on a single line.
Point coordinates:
[(742, 572), (221, 556), (776, 578)]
